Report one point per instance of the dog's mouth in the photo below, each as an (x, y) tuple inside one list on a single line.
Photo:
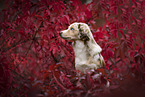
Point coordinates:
[(60, 34), (66, 38)]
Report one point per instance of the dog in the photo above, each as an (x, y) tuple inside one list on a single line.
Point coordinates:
[(87, 52)]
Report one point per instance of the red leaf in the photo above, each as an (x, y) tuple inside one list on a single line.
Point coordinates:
[(65, 19), (89, 81), (122, 33), (65, 81), (52, 67), (88, 13), (37, 24)]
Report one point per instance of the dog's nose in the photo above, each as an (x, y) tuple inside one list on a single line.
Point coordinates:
[(60, 33)]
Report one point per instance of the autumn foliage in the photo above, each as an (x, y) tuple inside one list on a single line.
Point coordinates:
[(36, 62)]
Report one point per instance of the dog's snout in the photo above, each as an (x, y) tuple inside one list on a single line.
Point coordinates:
[(60, 33)]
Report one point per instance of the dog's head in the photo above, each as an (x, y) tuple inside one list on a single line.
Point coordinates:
[(76, 31)]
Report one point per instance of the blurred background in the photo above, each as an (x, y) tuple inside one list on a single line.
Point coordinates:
[(36, 62)]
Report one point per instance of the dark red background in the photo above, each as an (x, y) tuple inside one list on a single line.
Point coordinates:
[(35, 61)]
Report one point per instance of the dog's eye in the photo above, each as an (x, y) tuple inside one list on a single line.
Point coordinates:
[(71, 28)]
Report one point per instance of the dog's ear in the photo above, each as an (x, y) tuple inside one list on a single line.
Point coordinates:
[(84, 36), (82, 33)]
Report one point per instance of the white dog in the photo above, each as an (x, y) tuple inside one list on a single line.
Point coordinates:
[(87, 52)]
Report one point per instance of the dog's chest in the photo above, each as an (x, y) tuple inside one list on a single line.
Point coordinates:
[(81, 54)]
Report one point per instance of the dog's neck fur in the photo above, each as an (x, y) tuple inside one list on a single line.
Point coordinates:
[(84, 50)]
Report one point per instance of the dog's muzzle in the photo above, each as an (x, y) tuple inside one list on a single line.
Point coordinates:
[(60, 33)]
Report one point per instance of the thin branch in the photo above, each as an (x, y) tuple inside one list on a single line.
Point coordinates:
[(58, 83)]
